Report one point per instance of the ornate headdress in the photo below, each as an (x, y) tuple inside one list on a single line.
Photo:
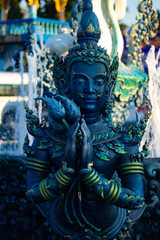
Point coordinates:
[(85, 48)]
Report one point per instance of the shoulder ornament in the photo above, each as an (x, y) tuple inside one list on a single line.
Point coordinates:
[(133, 135), (106, 141)]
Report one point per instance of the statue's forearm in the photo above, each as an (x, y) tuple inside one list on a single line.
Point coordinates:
[(131, 175), (51, 187), (107, 190)]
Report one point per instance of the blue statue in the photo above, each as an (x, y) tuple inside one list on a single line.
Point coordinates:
[(77, 153)]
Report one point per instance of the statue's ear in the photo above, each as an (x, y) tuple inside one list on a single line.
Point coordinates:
[(113, 70), (64, 85), (110, 85)]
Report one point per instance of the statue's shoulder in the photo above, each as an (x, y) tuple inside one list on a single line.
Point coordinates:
[(121, 140)]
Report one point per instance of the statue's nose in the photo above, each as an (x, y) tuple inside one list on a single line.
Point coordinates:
[(90, 86)]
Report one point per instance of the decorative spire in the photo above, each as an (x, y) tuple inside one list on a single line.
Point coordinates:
[(89, 30), (87, 5), (86, 48)]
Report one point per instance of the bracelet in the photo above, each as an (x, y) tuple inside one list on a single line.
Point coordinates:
[(114, 193), (62, 178), (90, 179), (46, 194), (109, 190)]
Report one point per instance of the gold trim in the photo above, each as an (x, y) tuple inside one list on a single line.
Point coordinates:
[(130, 164), (90, 28), (62, 179), (130, 167), (133, 171), (90, 176), (63, 175), (37, 165), (89, 181), (37, 160), (37, 169), (45, 192), (110, 200), (110, 192), (95, 181)]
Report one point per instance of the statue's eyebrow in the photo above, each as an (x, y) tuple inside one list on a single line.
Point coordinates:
[(74, 73), (100, 74), (97, 74)]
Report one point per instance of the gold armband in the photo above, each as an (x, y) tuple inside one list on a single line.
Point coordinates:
[(129, 168), (38, 165)]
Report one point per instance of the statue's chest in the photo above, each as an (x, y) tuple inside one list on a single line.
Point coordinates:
[(105, 155)]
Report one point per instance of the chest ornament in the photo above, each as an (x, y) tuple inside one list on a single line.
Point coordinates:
[(104, 137), (102, 150), (57, 150)]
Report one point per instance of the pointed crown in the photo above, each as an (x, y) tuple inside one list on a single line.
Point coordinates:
[(85, 48)]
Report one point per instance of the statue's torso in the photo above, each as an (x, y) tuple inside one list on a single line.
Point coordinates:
[(96, 212)]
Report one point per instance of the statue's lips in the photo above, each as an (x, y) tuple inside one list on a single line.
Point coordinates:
[(90, 100)]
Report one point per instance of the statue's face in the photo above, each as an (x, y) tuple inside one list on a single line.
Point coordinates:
[(88, 84)]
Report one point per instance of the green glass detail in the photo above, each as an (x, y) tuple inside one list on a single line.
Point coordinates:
[(44, 144), (116, 146), (58, 150), (129, 82), (110, 145), (117, 143), (101, 152), (102, 156), (120, 150)]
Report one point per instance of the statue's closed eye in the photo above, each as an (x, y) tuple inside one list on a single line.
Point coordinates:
[(99, 81), (80, 81)]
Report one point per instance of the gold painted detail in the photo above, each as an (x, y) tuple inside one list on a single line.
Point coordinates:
[(102, 150), (99, 95), (81, 95), (133, 134), (90, 165), (145, 28), (37, 169), (129, 168), (38, 165), (109, 190), (44, 144), (44, 190), (138, 157), (114, 193), (38, 161), (90, 28), (62, 178), (103, 156), (91, 179), (57, 150), (104, 137)]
